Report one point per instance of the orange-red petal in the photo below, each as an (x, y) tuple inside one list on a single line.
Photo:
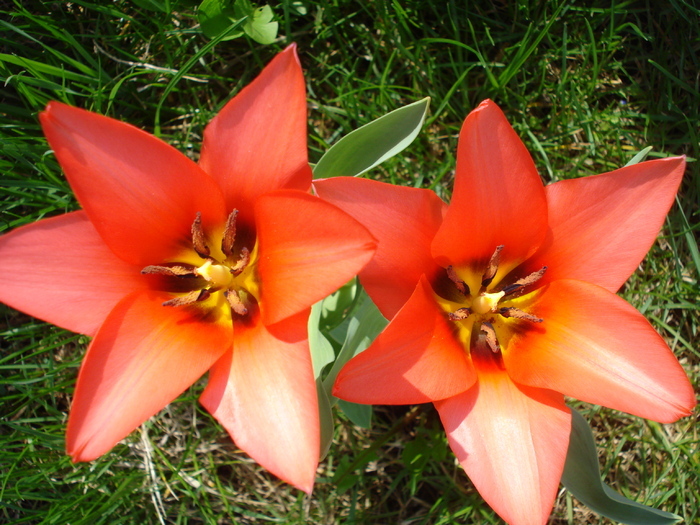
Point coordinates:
[(308, 248), (264, 394), (61, 271), (498, 197), (601, 227), (403, 220), (257, 142), (141, 194), (142, 358), (512, 442), (594, 346), (416, 359)]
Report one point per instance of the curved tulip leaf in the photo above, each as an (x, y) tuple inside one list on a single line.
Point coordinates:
[(639, 157), (325, 411), (360, 415), (321, 349), (373, 143), (363, 327), (582, 478)]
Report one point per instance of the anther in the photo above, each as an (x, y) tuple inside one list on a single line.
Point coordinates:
[(198, 239), (525, 281), (492, 267), (229, 234), (490, 337), (459, 283), (173, 271), (242, 262), (193, 297), (516, 313), (459, 315), (234, 301)]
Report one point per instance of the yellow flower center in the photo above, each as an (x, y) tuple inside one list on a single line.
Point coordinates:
[(484, 308), (225, 282)]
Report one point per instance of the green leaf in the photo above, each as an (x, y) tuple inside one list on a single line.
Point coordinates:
[(363, 327), (215, 17), (582, 478), (336, 307), (361, 415), (321, 349), (373, 143), (325, 412), (259, 26), (639, 157)]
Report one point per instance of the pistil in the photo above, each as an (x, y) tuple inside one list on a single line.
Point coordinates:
[(486, 302), (217, 274)]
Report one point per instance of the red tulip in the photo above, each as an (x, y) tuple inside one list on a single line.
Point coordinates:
[(504, 301), (177, 268)]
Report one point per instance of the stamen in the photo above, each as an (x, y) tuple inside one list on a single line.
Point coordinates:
[(459, 283), (490, 337), (525, 281), (173, 271), (235, 302), (229, 234), (492, 267), (242, 262), (193, 297), (198, 239), (516, 313), (460, 314)]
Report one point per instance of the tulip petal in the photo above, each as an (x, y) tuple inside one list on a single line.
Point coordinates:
[(61, 271), (403, 220), (308, 249), (264, 394), (601, 227), (594, 346), (257, 142), (141, 194), (416, 359), (498, 196), (511, 441), (142, 358)]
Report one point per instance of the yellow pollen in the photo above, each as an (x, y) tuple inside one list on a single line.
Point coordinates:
[(486, 302), (217, 274)]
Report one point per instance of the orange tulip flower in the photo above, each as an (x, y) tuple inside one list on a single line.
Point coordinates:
[(177, 268), (504, 301)]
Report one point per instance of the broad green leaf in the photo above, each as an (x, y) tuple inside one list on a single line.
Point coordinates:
[(259, 26), (243, 8), (582, 478), (373, 143), (361, 415), (336, 307), (325, 413), (321, 349), (363, 327), (639, 157), (217, 16)]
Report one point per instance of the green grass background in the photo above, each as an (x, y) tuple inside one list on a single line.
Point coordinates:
[(585, 84)]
